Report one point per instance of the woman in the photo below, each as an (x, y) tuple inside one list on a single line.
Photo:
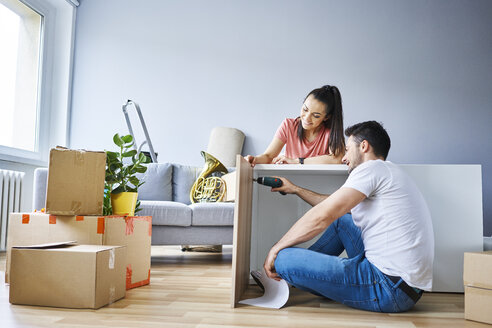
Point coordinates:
[(315, 137)]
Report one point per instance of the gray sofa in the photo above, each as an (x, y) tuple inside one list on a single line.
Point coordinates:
[(165, 197)]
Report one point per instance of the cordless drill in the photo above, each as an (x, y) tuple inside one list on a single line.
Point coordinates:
[(271, 182)]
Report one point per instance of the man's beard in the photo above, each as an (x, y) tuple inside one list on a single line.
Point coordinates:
[(356, 162)]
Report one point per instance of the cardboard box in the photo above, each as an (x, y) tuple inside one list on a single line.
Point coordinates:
[(230, 181), (75, 182), (81, 276), (133, 232), (478, 304), (477, 278)]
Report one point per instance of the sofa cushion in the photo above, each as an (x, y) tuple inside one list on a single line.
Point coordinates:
[(212, 214), (166, 213), (183, 179), (158, 182)]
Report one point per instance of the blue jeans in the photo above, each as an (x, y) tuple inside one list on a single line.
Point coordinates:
[(353, 281)]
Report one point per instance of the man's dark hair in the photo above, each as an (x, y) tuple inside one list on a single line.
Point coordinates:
[(374, 133)]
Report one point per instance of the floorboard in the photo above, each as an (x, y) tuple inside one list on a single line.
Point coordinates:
[(194, 289)]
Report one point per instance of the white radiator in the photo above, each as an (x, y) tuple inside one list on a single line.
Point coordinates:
[(10, 200)]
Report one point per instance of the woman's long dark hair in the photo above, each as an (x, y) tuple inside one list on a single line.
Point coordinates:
[(330, 96)]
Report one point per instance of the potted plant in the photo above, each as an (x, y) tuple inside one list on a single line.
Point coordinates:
[(121, 187)]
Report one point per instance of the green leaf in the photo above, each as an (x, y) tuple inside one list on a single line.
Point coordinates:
[(115, 166), (118, 190), (111, 179), (107, 209), (129, 153), (129, 145), (128, 138), (142, 157), (119, 176), (141, 169), (117, 140), (111, 155), (134, 181), (137, 207)]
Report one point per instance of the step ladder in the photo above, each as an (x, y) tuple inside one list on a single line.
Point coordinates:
[(128, 106)]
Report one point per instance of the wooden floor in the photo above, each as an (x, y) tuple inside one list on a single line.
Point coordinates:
[(193, 290)]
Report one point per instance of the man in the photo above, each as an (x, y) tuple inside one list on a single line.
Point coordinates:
[(388, 236)]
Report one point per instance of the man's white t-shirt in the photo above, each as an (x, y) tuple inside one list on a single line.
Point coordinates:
[(395, 222)]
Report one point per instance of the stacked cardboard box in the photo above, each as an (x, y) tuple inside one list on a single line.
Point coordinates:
[(75, 182), (477, 277), (74, 213), (133, 232), (72, 276)]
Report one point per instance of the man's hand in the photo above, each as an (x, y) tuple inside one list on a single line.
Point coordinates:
[(287, 186), (269, 264)]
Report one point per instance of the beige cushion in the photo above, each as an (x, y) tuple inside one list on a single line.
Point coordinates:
[(225, 143)]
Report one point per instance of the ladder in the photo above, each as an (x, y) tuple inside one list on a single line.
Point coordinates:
[(128, 106)]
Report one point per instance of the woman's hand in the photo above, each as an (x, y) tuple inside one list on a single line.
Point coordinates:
[(251, 159), (281, 159)]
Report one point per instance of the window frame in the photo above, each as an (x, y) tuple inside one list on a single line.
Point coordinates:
[(55, 81)]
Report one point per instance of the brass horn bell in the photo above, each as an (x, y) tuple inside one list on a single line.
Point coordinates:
[(208, 187)]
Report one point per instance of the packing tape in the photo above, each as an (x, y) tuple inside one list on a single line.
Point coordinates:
[(144, 218), (52, 219), (112, 288), (78, 159), (129, 284), (112, 294), (111, 259), (25, 218), (128, 276), (79, 218), (130, 225), (100, 225), (149, 220)]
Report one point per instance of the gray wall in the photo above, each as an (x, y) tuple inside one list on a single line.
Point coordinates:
[(423, 68)]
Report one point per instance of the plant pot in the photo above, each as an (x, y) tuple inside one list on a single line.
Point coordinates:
[(124, 203)]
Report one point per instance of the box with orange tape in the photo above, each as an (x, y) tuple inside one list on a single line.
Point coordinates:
[(133, 232), (67, 275)]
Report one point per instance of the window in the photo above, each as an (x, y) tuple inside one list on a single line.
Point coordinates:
[(36, 42), (20, 37)]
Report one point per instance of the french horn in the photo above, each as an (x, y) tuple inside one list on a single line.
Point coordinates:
[(209, 187)]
